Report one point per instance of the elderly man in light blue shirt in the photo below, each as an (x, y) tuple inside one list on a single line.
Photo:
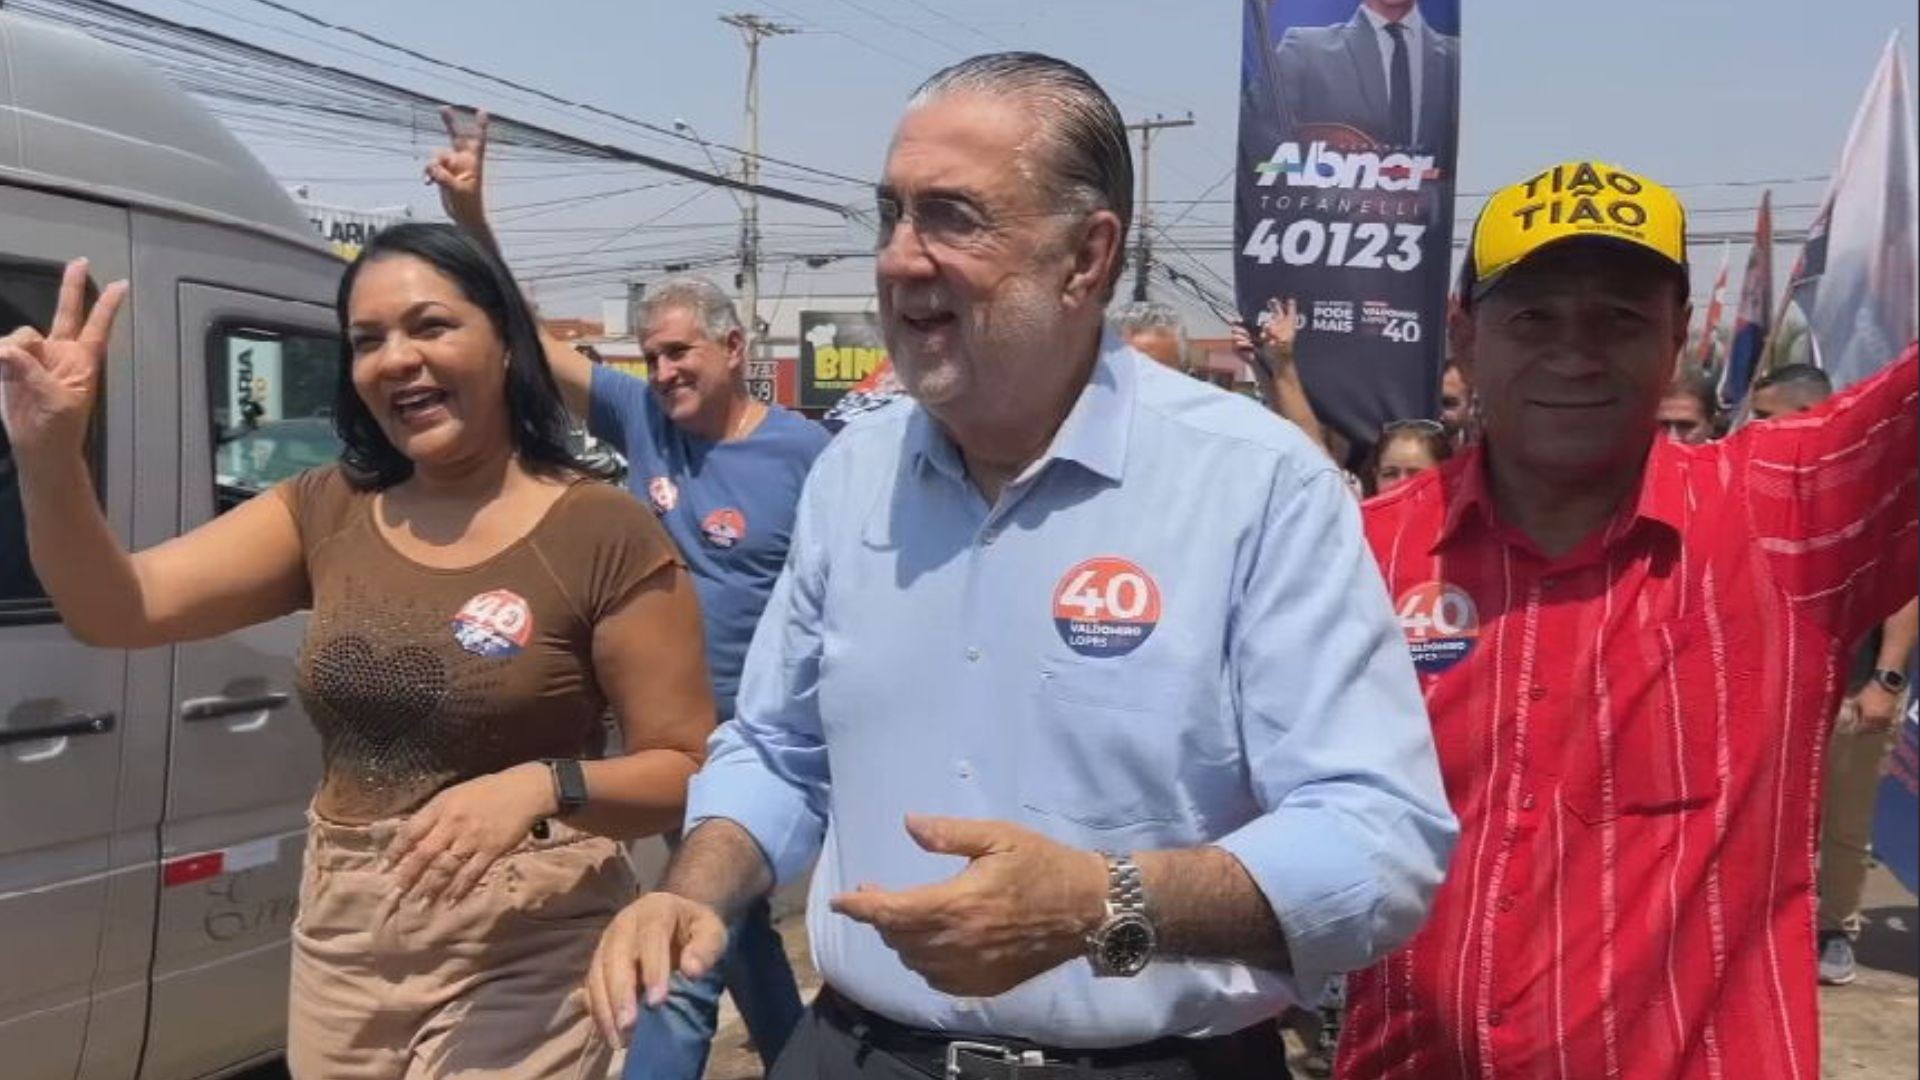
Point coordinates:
[(1080, 681)]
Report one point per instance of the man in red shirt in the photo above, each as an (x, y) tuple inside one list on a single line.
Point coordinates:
[(1632, 650)]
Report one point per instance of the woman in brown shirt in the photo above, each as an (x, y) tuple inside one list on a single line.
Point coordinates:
[(478, 602)]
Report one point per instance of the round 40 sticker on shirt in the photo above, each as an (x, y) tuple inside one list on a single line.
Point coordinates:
[(725, 527), (1441, 623), (1106, 607), (494, 624)]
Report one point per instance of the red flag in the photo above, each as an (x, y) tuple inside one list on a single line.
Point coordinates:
[(1716, 304)]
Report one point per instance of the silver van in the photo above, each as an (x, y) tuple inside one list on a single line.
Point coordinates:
[(151, 802)]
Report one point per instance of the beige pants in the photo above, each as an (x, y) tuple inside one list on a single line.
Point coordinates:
[(488, 987), (1854, 761)]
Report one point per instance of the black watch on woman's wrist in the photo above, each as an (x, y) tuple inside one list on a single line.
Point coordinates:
[(569, 785), (1890, 680)]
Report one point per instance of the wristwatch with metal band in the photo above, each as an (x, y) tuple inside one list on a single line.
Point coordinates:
[(569, 785), (1124, 942), (1889, 680)]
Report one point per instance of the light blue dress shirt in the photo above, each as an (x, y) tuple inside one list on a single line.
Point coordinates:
[(1168, 633)]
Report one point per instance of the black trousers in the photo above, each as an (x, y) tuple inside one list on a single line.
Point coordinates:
[(832, 1043)]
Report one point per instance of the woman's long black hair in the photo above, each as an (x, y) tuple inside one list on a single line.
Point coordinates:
[(537, 416)]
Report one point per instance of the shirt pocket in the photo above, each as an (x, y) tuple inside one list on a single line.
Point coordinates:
[(1108, 749), (1657, 708)]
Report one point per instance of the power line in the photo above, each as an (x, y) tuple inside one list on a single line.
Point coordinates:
[(857, 40), (544, 95), (225, 67)]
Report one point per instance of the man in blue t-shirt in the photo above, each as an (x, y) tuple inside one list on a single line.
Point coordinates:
[(722, 470), (724, 473)]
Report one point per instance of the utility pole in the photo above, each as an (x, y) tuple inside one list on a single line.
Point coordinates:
[(753, 30), (1143, 214)]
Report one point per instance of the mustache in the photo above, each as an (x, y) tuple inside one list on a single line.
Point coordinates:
[(921, 298)]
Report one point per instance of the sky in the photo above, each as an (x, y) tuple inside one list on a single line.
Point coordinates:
[(1710, 96)]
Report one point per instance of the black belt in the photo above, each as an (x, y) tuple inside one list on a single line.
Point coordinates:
[(1254, 1052)]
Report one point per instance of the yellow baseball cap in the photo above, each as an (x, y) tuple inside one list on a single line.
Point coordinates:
[(1574, 200)]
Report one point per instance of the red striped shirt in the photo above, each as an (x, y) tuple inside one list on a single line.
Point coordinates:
[(1632, 737)]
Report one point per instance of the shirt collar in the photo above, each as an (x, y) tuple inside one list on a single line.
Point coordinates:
[(1662, 497), (1094, 435), (1412, 22)]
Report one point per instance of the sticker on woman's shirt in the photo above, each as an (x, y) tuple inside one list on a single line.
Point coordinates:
[(494, 624), (1441, 623), (724, 527), (663, 493), (1106, 607)]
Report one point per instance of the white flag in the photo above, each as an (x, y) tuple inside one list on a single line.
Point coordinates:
[(1855, 280)]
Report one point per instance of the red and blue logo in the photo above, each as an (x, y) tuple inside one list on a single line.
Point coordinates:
[(1106, 607), (725, 528), (494, 624), (1441, 623)]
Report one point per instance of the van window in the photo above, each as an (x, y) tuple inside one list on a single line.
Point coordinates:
[(270, 397), (28, 292)]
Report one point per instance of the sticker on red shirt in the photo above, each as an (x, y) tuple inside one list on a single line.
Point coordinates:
[(1441, 623), (724, 527), (494, 624), (664, 493), (1106, 607)]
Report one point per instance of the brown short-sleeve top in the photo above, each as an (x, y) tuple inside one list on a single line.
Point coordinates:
[(419, 677)]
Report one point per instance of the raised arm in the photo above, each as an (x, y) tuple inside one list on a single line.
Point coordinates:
[(1273, 366), (1833, 498), (459, 171), (241, 568)]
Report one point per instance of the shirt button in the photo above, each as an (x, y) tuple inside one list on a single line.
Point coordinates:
[(1526, 801), (1549, 582), (973, 655), (1506, 903), (1538, 693), (1496, 1018), (965, 769)]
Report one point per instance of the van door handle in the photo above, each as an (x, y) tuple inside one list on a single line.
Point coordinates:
[(213, 708), (98, 723)]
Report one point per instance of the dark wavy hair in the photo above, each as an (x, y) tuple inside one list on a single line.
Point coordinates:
[(536, 413)]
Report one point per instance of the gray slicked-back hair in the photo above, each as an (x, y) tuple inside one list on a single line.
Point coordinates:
[(1089, 160), (1136, 316), (709, 303)]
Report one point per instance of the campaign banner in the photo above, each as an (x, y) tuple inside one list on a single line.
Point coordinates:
[(1896, 814), (1348, 127), (837, 350)]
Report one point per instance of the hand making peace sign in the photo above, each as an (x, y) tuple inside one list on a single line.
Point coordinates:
[(459, 169), (48, 382)]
